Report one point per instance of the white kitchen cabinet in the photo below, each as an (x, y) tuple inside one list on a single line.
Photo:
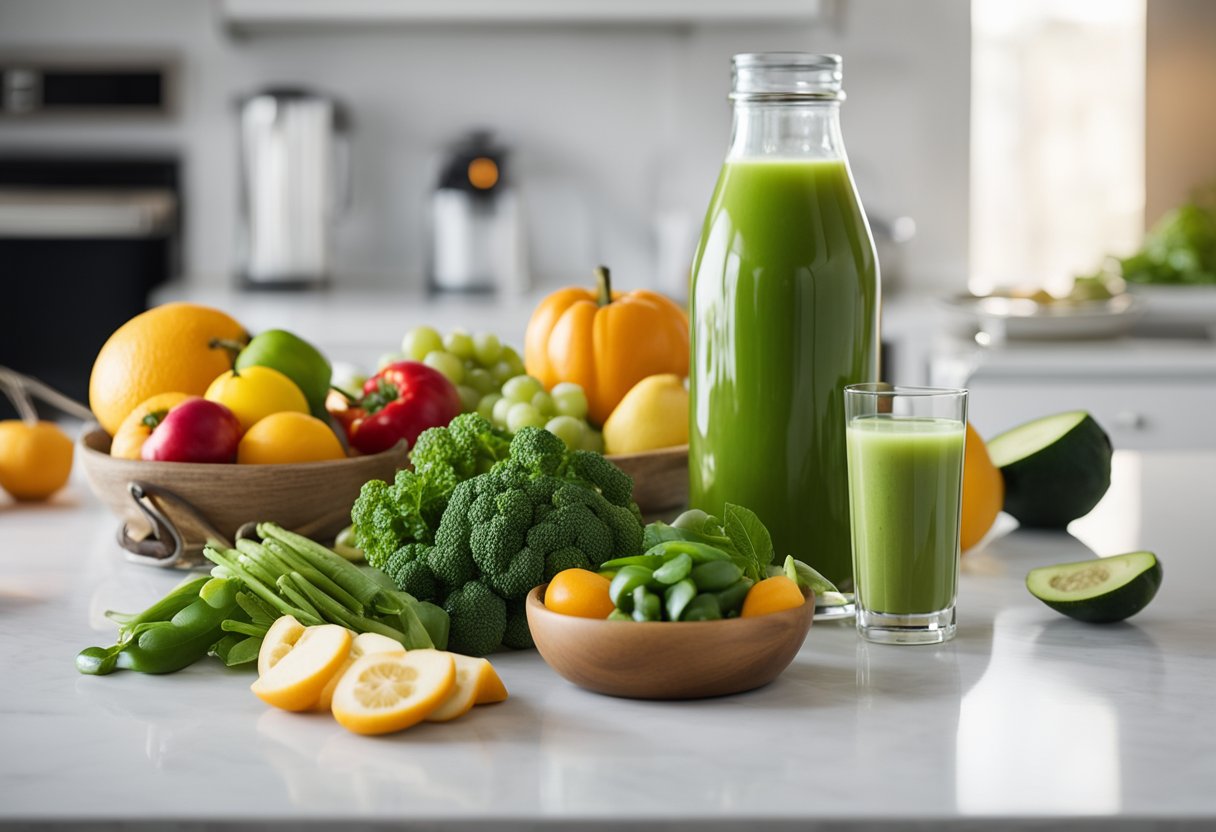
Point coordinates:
[(1148, 393)]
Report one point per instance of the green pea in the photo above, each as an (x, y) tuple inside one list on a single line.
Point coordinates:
[(702, 608), (677, 597), (627, 579), (646, 605), (730, 600), (716, 575), (675, 570)]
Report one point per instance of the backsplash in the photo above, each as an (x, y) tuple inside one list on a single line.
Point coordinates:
[(616, 132)]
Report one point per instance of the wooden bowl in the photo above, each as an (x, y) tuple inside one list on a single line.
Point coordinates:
[(668, 659), (660, 478), (313, 498)]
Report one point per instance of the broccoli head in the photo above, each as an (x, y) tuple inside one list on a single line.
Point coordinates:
[(410, 572), (538, 452), (478, 619), (517, 635), (468, 446)]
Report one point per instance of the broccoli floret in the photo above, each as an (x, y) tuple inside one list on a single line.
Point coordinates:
[(517, 635), (468, 446), (379, 526), (410, 572), (613, 483), (567, 557), (538, 451), (479, 619), (526, 570)]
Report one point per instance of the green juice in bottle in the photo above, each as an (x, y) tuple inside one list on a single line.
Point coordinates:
[(784, 313)]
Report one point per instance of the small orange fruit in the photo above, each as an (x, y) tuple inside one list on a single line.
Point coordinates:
[(35, 459), (164, 349), (287, 437), (579, 592), (983, 491), (137, 427), (775, 594)]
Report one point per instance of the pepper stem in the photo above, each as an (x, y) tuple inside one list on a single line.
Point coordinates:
[(233, 347), (603, 286)]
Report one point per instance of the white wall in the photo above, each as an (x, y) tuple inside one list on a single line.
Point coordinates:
[(609, 124)]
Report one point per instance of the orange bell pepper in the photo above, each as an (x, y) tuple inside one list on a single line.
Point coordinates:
[(605, 341)]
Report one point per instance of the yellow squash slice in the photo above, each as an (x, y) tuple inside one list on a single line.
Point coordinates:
[(387, 692)]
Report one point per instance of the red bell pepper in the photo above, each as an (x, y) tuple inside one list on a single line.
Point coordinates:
[(400, 402)]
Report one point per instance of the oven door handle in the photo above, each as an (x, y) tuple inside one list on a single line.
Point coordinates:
[(61, 214)]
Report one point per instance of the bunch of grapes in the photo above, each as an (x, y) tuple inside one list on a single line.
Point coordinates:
[(491, 379)]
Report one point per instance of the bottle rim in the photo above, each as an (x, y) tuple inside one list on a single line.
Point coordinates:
[(786, 76)]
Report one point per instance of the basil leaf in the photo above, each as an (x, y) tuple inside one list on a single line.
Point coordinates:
[(751, 538)]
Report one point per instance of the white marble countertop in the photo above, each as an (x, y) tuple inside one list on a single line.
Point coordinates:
[(1026, 719)]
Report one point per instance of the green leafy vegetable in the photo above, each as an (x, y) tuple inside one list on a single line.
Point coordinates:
[(1181, 247), (751, 538)]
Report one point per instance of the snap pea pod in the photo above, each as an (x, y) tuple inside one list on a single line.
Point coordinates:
[(716, 575), (704, 607), (626, 581), (179, 597), (730, 600), (678, 596), (647, 606), (675, 570), (698, 552), (204, 615), (651, 562)]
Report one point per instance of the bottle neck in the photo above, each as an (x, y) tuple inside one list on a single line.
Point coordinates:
[(786, 130)]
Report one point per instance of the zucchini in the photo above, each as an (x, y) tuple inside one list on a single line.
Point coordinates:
[(1098, 591), (1056, 469)]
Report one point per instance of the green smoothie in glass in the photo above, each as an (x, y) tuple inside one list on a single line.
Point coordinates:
[(905, 481), (784, 313)]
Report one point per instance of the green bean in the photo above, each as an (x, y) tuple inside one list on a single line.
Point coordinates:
[(317, 579), (698, 552), (297, 597), (335, 567), (258, 588), (180, 597), (244, 628), (626, 580), (716, 575), (651, 562), (675, 570), (646, 605), (677, 597)]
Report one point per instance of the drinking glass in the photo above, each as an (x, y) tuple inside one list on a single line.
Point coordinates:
[(905, 459)]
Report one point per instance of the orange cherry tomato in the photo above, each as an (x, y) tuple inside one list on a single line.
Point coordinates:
[(579, 592), (775, 594)]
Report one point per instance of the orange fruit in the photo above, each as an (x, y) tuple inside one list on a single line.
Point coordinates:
[(287, 437), (983, 491), (775, 594), (134, 431), (159, 351), (579, 592), (35, 459)]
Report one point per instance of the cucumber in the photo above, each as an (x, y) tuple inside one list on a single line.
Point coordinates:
[(1056, 469), (1098, 591)]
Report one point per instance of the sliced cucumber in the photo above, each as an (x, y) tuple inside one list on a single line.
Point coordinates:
[(1056, 469), (1098, 591)]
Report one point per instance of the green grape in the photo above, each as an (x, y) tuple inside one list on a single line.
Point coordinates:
[(543, 402), (486, 348), (570, 399), (593, 440), (568, 429), (388, 358), (501, 408), (522, 389), (469, 398), (522, 415), (501, 372), (420, 341), (459, 344), (512, 358), (486, 406), (480, 379), (446, 363)]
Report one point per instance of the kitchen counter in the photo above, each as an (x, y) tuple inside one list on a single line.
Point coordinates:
[(1027, 718)]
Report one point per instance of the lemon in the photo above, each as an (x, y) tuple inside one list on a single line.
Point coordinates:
[(653, 414), (283, 438), (165, 349), (295, 681), (278, 641), (389, 692), (472, 677), (364, 644), (255, 393)]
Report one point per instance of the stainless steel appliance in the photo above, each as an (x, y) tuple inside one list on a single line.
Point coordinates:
[(295, 166), (83, 239), (476, 222)]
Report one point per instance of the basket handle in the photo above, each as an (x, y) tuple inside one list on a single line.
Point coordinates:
[(165, 546)]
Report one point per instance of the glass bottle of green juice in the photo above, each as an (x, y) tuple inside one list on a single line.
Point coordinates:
[(785, 312)]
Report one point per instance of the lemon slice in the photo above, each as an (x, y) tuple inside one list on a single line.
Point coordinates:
[(280, 638), (387, 692), (295, 681), (364, 644), (464, 695), (490, 689)]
